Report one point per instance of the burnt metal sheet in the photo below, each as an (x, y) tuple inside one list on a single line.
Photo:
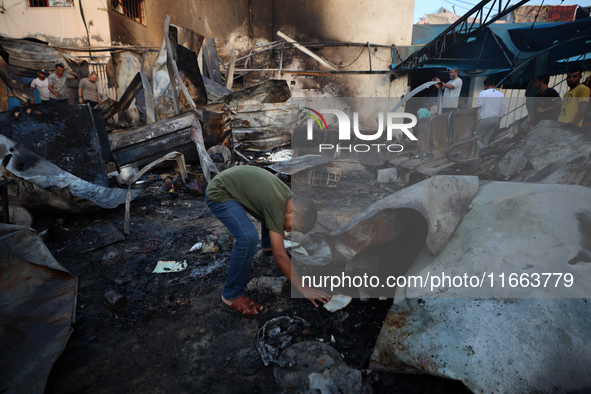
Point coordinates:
[(37, 305), (185, 45), (301, 163), (178, 86), (187, 38), (210, 61), (127, 65), (269, 91), (26, 56), (111, 108), (144, 144), (215, 91), (264, 126), (14, 83), (217, 126), (62, 134), (495, 337), (165, 105), (40, 184), (207, 166), (442, 200)]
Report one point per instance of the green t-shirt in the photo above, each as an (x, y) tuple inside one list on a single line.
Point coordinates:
[(261, 193)]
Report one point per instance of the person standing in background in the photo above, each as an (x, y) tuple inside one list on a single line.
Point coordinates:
[(88, 90), (57, 84), (547, 103), (42, 85), (451, 90), (576, 100), (492, 109)]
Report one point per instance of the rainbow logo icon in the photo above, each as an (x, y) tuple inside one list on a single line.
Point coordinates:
[(316, 118)]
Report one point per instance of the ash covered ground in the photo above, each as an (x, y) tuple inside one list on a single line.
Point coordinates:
[(172, 335)]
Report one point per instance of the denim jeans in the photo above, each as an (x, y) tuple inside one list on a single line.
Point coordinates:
[(234, 217)]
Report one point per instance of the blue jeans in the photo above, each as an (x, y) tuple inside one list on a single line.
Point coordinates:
[(234, 217)]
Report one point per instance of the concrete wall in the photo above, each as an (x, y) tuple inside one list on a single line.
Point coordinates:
[(244, 24), (60, 26)]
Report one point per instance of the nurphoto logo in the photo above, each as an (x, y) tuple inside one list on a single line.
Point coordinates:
[(393, 121)]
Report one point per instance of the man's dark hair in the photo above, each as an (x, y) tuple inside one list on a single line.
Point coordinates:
[(574, 70), (544, 78), (307, 212), (59, 65), (489, 82)]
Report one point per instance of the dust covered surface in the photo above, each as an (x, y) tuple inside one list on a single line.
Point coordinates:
[(172, 334)]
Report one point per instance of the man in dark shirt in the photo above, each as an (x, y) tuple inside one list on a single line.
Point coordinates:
[(547, 103)]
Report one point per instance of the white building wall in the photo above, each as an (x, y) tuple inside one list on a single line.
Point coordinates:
[(60, 26)]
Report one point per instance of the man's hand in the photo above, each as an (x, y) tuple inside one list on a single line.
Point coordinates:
[(284, 263), (315, 294)]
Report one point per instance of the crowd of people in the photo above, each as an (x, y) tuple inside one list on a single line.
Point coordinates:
[(572, 108), (52, 88)]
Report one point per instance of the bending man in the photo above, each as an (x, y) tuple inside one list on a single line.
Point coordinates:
[(242, 189)]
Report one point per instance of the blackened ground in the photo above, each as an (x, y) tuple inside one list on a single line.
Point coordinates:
[(172, 335)]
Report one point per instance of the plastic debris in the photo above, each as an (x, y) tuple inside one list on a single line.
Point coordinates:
[(282, 155), (276, 335), (114, 300), (267, 283), (197, 246), (337, 302), (316, 367), (169, 266)]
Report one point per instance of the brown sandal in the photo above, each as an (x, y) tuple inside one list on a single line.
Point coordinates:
[(243, 306)]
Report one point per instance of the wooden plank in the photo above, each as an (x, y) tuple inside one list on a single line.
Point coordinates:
[(230, 73), (210, 59), (3, 97)]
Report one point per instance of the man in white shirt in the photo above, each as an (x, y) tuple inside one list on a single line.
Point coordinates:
[(492, 109), (451, 90), (42, 85)]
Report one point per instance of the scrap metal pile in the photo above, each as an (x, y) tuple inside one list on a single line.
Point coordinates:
[(70, 156)]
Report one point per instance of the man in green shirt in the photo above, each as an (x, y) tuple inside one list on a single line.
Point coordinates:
[(242, 189)]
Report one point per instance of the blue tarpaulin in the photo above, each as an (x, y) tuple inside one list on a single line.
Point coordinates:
[(503, 47)]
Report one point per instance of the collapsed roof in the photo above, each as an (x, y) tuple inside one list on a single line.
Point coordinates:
[(505, 48)]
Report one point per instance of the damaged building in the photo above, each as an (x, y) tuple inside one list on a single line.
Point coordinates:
[(452, 266)]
